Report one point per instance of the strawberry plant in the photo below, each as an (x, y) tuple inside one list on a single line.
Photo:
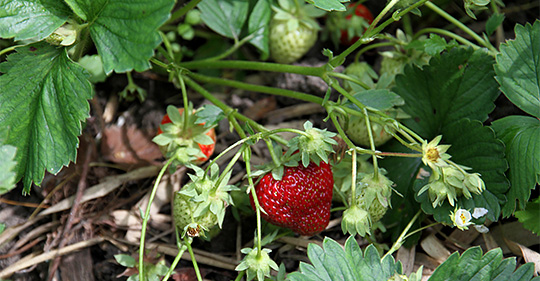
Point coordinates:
[(404, 133)]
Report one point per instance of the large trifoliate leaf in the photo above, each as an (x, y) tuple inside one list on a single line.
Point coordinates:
[(521, 135), (348, 263), (30, 19), (7, 165), (472, 265), (226, 17), (125, 32), (458, 84), (474, 146), (258, 25), (518, 68), (43, 102)]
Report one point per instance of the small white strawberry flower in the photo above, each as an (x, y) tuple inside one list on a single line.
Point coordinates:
[(461, 218), (479, 212)]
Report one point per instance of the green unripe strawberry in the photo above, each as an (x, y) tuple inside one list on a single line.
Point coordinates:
[(288, 45), (293, 30), (361, 71), (200, 205), (356, 129), (375, 195), (183, 209)]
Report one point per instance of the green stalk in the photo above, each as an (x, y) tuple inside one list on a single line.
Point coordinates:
[(349, 78), (448, 34), (372, 145), (9, 49), (461, 26), (193, 260), (230, 50), (147, 216), (186, 112), (372, 46), (230, 165), (253, 65), (174, 263), (391, 20), (182, 11), (353, 179), (401, 238), (229, 110), (256, 88)]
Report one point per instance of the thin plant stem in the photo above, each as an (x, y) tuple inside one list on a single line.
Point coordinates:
[(401, 238), (372, 145), (253, 65), (193, 260), (370, 47), (181, 251), (147, 216), (461, 26), (353, 179), (448, 34), (349, 78), (257, 88), (9, 49)]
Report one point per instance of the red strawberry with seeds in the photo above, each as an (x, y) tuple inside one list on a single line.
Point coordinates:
[(301, 200)]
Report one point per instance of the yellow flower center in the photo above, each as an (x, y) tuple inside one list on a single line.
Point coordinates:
[(432, 154), (463, 218)]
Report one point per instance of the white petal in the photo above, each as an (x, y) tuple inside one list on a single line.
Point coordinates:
[(481, 228), (479, 212)]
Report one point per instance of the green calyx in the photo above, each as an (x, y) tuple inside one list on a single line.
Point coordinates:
[(315, 145), (296, 13), (181, 138), (356, 220), (257, 264), (201, 203)]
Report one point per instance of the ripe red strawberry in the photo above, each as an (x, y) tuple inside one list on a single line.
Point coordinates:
[(300, 201), (348, 26), (179, 137)]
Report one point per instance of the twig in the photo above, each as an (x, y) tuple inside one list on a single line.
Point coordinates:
[(74, 209)]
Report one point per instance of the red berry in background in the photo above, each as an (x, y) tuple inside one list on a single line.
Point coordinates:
[(359, 11), (301, 200), (207, 150)]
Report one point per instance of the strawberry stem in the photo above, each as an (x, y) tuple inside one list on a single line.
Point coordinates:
[(353, 179), (147, 216), (192, 255), (402, 237), (186, 112), (372, 145)]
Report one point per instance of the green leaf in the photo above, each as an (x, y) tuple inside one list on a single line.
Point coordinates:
[(328, 5), (209, 115), (472, 265), (381, 99), (334, 262), (125, 260), (125, 32), (474, 146), (226, 17), (520, 135), (458, 84), (43, 106), (258, 25), (529, 216), (27, 19), (434, 45), (493, 22), (518, 68), (7, 175)]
